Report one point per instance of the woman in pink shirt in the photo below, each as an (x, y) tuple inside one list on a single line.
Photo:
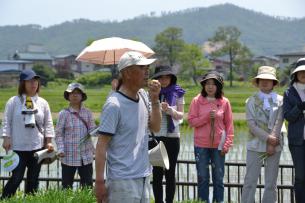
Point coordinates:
[(210, 115)]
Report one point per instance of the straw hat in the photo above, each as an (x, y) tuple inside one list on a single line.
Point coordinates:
[(265, 72)]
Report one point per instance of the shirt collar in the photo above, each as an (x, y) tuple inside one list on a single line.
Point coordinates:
[(204, 100), (73, 110), (34, 98)]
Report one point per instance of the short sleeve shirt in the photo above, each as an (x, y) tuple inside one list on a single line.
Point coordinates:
[(126, 120)]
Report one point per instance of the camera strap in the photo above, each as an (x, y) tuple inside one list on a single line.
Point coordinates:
[(152, 135)]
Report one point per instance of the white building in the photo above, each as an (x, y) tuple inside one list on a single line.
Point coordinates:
[(288, 59)]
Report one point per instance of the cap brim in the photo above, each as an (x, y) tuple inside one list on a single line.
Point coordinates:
[(211, 77), (299, 68), (145, 62), (163, 73), (68, 91), (31, 77), (142, 62), (265, 77)]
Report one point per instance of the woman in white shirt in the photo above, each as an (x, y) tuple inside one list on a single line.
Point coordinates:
[(27, 128)]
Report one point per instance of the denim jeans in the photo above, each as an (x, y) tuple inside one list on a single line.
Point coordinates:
[(85, 172), (204, 156), (26, 159), (298, 158)]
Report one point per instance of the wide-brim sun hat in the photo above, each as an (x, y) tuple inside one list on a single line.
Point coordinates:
[(267, 73), (164, 70), (131, 58), (212, 75), (28, 75), (300, 66), (71, 87)]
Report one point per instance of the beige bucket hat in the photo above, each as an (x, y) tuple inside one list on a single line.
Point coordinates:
[(265, 72)]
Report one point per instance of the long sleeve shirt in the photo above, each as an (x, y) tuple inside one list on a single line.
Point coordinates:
[(294, 116), (199, 119), (70, 130), (262, 122), (27, 138)]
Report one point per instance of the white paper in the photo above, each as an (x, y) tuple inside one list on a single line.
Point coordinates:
[(222, 140)]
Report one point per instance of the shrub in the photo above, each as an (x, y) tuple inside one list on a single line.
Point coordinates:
[(58, 82), (95, 79), (47, 73)]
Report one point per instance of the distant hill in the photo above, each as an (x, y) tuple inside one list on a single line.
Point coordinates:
[(263, 34)]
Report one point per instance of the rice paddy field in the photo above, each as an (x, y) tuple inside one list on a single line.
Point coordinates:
[(97, 96)]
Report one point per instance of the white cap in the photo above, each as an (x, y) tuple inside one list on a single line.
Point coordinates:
[(131, 58)]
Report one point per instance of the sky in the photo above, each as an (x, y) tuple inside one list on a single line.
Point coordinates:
[(50, 12)]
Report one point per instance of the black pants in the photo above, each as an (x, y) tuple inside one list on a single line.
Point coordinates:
[(26, 159), (85, 172), (172, 146), (298, 158)]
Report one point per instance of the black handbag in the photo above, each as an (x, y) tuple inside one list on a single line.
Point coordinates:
[(152, 142)]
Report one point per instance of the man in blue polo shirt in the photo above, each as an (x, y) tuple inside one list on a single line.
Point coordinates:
[(123, 142)]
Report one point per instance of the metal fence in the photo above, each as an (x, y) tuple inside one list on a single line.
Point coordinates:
[(186, 177), (233, 182)]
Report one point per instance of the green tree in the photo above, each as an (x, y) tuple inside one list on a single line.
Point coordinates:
[(168, 45), (89, 41), (228, 39), (95, 79), (191, 60), (46, 73), (243, 63)]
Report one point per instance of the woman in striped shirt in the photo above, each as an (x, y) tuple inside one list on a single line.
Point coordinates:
[(172, 101)]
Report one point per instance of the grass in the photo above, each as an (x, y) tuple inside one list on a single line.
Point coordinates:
[(54, 196), (62, 196), (97, 96), (95, 101)]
